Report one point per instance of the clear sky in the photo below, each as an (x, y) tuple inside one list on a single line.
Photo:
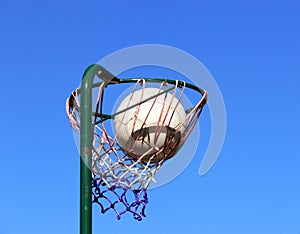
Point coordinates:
[(251, 48)]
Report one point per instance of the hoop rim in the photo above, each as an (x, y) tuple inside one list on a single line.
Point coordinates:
[(115, 80)]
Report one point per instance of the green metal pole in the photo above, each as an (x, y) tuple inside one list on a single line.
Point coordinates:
[(86, 141)]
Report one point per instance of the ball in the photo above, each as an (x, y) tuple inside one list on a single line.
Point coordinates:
[(149, 127)]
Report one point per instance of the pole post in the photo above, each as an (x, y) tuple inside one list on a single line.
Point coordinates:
[(86, 141)]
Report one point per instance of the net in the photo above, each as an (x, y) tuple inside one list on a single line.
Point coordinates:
[(150, 126), (119, 199)]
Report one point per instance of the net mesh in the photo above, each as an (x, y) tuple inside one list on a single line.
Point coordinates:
[(122, 172), (119, 199)]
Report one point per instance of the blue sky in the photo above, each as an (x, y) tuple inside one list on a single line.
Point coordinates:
[(251, 48)]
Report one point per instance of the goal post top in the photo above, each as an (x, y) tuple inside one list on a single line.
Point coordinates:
[(106, 76)]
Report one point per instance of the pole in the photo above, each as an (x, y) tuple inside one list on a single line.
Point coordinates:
[(86, 144), (86, 141)]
